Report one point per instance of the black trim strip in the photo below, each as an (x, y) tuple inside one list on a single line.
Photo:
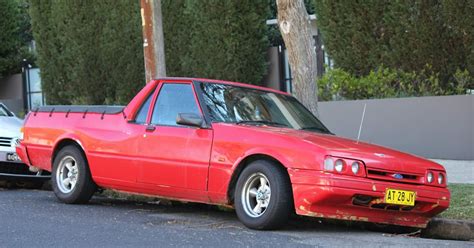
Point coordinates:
[(97, 109), (207, 115)]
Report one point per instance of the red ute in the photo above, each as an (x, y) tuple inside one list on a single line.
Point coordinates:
[(234, 144)]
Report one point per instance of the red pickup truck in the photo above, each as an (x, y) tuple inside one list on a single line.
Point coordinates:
[(226, 143)]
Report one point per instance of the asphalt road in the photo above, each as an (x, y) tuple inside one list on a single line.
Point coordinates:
[(33, 218)]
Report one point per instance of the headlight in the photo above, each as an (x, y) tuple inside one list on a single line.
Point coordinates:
[(329, 164), (355, 167), (429, 177), (440, 178), (339, 166)]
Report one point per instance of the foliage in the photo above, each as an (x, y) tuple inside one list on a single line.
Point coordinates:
[(403, 35), (383, 82), (176, 29), (8, 40), (88, 52), (14, 36), (216, 39)]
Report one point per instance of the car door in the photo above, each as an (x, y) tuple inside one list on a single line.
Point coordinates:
[(175, 155)]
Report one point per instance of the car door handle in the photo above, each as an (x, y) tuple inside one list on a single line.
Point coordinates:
[(150, 128)]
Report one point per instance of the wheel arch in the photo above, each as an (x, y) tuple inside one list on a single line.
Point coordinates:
[(66, 141), (244, 163)]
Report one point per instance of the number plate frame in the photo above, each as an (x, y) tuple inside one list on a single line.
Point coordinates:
[(400, 197), (12, 157)]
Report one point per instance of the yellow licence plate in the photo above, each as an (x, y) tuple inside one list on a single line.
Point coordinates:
[(400, 197)]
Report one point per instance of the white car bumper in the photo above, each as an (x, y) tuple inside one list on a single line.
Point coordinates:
[(9, 156)]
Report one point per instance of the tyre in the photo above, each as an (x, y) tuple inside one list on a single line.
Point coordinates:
[(71, 178), (263, 196)]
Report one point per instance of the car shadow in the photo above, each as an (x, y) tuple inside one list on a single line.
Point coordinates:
[(203, 215), (159, 212)]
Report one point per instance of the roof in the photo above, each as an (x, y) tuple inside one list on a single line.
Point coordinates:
[(207, 80)]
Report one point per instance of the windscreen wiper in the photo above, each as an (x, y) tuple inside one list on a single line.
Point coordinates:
[(262, 122)]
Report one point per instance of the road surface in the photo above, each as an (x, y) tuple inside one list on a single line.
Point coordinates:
[(34, 218)]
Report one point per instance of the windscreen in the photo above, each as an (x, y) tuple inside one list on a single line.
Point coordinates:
[(4, 111), (233, 104)]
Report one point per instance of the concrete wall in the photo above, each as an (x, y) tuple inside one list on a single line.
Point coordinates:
[(14, 105), (435, 127), (272, 78), (11, 87), (11, 92)]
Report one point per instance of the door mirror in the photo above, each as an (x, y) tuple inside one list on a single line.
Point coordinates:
[(189, 119)]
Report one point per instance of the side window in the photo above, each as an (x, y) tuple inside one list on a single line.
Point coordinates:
[(172, 100), (142, 113)]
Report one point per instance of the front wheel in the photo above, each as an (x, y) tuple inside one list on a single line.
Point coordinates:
[(263, 196), (71, 178)]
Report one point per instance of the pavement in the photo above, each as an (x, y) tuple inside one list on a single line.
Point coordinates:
[(35, 218), (459, 171)]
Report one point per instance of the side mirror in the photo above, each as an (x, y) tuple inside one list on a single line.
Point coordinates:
[(189, 119)]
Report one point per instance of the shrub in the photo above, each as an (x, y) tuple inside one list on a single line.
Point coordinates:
[(338, 84), (14, 36), (88, 52), (223, 39), (404, 35)]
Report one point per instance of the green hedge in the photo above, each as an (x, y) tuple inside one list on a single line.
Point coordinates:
[(223, 39), (403, 34), (89, 52), (15, 34), (338, 84)]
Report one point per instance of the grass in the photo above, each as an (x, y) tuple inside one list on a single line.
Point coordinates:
[(462, 202)]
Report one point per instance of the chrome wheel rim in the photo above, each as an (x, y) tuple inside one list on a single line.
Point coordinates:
[(67, 174), (256, 195)]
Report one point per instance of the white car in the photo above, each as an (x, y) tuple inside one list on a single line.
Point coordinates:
[(11, 167)]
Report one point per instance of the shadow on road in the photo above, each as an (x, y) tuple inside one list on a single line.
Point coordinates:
[(161, 212)]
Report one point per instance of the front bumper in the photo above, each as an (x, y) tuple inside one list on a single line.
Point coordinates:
[(327, 195)]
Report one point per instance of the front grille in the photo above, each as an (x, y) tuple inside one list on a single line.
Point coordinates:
[(385, 206), (6, 142), (401, 177), (377, 203)]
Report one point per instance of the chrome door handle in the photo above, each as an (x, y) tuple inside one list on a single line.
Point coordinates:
[(150, 128)]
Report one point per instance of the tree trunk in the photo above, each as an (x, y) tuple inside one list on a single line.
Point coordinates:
[(295, 27), (153, 40)]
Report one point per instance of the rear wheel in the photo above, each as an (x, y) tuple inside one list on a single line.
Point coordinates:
[(71, 177), (263, 196)]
